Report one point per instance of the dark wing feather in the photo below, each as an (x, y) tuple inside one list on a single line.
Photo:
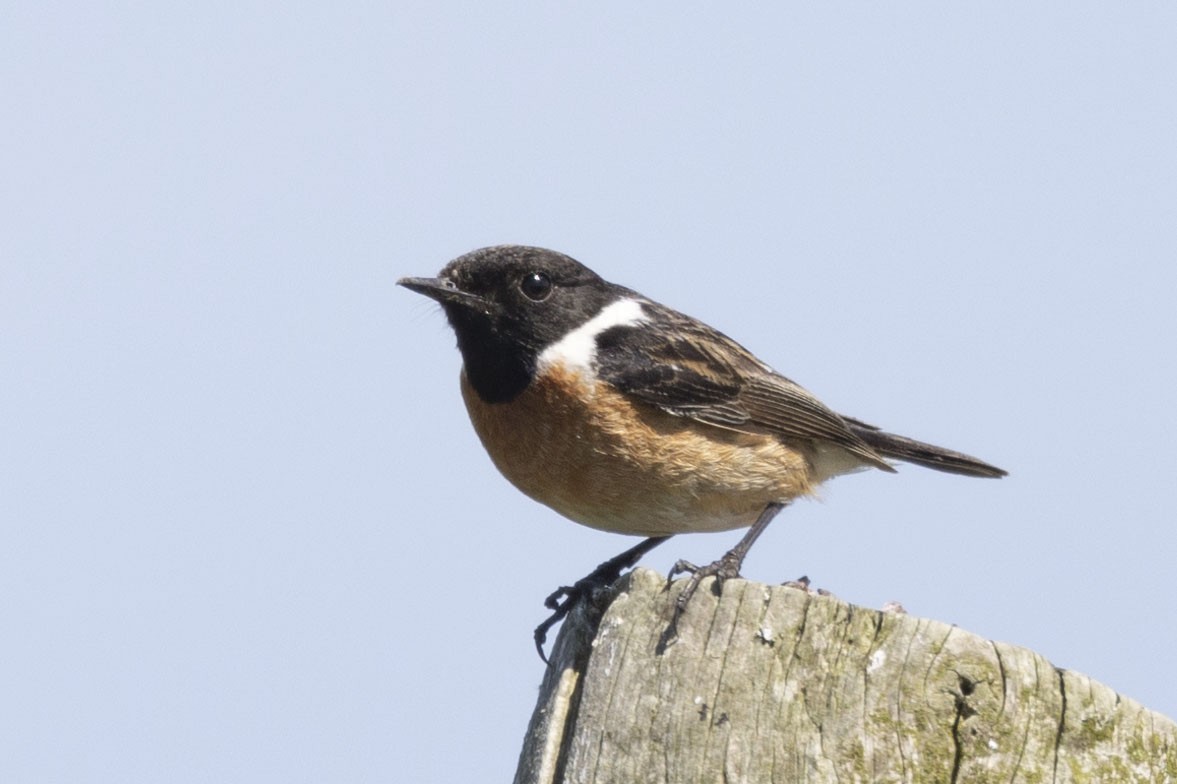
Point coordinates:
[(689, 369), (929, 455)]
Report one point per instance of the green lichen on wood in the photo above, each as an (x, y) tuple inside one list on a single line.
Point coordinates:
[(772, 684)]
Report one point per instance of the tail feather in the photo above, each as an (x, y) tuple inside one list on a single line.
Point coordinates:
[(911, 451)]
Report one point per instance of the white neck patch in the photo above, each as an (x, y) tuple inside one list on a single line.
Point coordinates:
[(578, 348)]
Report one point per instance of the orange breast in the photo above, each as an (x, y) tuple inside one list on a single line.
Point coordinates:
[(585, 450)]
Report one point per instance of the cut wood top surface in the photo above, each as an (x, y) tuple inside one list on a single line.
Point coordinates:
[(774, 684)]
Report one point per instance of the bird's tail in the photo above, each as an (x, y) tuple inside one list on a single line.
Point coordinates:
[(912, 451)]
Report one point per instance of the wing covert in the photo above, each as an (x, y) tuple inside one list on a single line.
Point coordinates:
[(689, 369)]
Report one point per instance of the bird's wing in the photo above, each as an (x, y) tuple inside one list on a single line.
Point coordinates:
[(688, 369)]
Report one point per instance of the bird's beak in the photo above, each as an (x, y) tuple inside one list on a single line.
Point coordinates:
[(441, 289)]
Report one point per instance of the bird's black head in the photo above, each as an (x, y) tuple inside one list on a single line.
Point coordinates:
[(507, 303)]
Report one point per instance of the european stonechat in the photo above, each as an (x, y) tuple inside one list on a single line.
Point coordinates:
[(627, 416)]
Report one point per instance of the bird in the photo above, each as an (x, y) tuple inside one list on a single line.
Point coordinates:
[(627, 416)]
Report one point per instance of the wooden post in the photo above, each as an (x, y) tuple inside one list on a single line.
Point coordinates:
[(773, 684)]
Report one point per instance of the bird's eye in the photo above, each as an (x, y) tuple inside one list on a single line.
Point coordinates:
[(536, 286)]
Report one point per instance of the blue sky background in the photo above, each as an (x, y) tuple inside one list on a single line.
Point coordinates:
[(246, 532)]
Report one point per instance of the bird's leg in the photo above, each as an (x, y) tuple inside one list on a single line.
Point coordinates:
[(564, 598), (727, 567)]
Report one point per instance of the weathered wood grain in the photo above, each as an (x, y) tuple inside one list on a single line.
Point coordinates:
[(773, 684)]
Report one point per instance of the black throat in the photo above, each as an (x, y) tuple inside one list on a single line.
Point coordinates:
[(498, 368)]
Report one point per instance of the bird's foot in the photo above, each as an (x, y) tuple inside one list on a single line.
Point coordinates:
[(726, 568), (563, 599)]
